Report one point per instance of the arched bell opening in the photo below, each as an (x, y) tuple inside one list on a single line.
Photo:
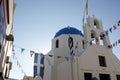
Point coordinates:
[(93, 37), (102, 38), (96, 24)]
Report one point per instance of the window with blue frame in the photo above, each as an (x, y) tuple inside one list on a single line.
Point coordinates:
[(35, 71), (36, 58), (41, 72), (42, 59)]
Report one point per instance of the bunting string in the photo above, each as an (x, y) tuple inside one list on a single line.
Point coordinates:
[(31, 52), (18, 63), (70, 42), (67, 58), (114, 44), (114, 27), (110, 30), (14, 56)]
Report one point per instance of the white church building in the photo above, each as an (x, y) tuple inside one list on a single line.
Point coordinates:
[(78, 56)]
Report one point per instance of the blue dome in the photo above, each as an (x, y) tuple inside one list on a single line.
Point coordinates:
[(68, 30)]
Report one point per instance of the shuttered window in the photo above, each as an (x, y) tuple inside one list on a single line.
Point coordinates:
[(118, 77), (102, 61)]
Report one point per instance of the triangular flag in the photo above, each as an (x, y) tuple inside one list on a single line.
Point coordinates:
[(31, 53), (19, 66), (22, 49), (13, 48), (119, 23), (109, 46), (114, 27), (17, 63), (13, 55), (110, 29), (113, 44), (118, 41)]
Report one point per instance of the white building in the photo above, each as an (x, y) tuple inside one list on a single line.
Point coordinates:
[(75, 56), (7, 8)]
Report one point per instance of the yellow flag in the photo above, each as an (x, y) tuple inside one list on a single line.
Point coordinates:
[(86, 7)]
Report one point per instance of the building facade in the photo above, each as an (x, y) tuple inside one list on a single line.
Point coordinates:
[(7, 8), (38, 65), (78, 56)]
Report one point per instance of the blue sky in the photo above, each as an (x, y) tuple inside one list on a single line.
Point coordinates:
[(37, 21)]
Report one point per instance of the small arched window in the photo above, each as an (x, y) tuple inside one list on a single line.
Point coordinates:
[(96, 24), (83, 43), (102, 38), (57, 43), (70, 42), (93, 36)]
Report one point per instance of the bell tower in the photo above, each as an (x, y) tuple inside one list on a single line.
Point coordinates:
[(94, 33)]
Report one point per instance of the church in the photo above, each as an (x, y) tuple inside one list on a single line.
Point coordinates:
[(80, 56)]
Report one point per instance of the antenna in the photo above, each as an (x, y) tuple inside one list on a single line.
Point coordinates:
[(85, 13)]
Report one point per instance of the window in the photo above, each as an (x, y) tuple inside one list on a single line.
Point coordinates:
[(95, 24), (104, 76), (57, 43), (42, 59), (70, 42), (35, 71), (0, 2), (93, 37), (102, 61), (41, 71), (83, 44), (36, 58), (102, 38), (118, 77), (87, 76)]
